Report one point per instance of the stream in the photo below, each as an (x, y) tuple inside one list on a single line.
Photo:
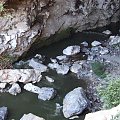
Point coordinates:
[(27, 102)]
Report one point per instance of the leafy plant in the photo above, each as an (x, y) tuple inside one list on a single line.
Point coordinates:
[(99, 69), (1, 7), (111, 94), (117, 117)]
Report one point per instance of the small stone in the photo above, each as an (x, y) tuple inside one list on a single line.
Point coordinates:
[(15, 89), (107, 32), (63, 69), (71, 50), (46, 93), (49, 79), (95, 43), (61, 57), (84, 43), (3, 113)]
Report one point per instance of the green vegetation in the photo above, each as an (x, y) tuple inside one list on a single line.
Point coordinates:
[(110, 94), (1, 7), (99, 69)]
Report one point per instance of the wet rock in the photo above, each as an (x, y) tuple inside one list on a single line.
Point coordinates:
[(95, 43), (49, 79), (38, 66), (104, 114), (32, 88), (74, 102), (3, 85), (46, 93), (20, 75), (31, 116), (53, 60), (75, 67), (63, 69), (3, 113), (15, 89), (71, 50), (107, 32), (114, 40)]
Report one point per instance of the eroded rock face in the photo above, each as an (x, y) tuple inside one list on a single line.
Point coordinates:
[(3, 113), (42, 18), (20, 75)]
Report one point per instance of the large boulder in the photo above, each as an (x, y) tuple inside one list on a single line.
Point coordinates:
[(71, 50), (74, 102), (15, 89), (104, 114), (20, 75), (3, 113), (31, 116)]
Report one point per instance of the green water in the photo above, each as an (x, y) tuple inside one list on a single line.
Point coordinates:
[(27, 102)]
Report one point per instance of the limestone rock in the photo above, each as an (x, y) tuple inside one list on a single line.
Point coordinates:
[(3, 85), (20, 75), (71, 50), (74, 103), (31, 116), (15, 89)]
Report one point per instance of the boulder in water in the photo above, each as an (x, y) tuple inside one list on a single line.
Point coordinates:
[(74, 102), (3, 113)]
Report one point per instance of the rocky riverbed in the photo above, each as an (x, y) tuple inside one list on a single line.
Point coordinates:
[(76, 60)]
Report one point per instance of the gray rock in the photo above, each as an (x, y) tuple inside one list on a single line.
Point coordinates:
[(114, 40), (63, 69), (31, 116), (74, 103), (3, 113), (32, 88), (15, 89), (71, 50), (46, 93), (49, 79), (75, 67), (107, 32), (95, 43), (84, 43), (37, 65)]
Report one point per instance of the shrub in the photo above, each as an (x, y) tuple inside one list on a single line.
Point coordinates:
[(111, 94), (117, 117), (99, 69)]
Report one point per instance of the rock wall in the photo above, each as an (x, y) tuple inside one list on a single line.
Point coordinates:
[(32, 19)]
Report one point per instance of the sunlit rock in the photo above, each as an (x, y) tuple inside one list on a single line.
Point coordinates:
[(74, 103)]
